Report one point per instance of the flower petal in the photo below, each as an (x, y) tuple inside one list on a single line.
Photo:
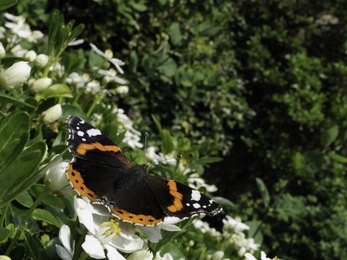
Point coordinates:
[(97, 50), (63, 253), (64, 237), (93, 247), (113, 254), (152, 232)]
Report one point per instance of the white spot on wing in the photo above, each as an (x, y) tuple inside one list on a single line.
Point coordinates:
[(93, 132), (80, 133), (196, 195), (196, 205)]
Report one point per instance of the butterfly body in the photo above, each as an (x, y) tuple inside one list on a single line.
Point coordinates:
[(101, 172)]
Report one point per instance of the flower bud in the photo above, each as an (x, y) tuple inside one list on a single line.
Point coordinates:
[(41, 61), (4, 257), (2, 51), (30, 56), (40, 84), (52, 114), (218, 255), (15, 75), (55, 177), (122, 89)]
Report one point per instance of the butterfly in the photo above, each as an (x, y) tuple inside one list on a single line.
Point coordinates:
[(101, 172)]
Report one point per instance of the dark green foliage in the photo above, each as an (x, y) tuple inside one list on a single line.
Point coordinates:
[(254, 81)]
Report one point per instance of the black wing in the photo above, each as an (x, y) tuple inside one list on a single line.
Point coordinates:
[(88, 143)]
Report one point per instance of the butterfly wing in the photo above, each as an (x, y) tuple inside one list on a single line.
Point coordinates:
[(88, 143), (179, 200)]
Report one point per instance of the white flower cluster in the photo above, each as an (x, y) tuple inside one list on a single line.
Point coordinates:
[(232, 233)]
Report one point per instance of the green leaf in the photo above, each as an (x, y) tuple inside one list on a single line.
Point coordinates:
[(6, 99), (138, 6), (21, 173), (299, 162), (263, 191), (33, 247), (167, 66), (337, 157), (134, 60), (56, 90), (4, 234), (167, 141), (329, 136), (46, 216), (314, 162), (174, 251), (147, 65), (75, 32), (208, 29), (208, 160), (290, 206), (162, 2), (224, 202), (175, 34), (73, 110), (157, 123), (13, 137), (54, 202), (4, 4), (253, 226), (25, 199)]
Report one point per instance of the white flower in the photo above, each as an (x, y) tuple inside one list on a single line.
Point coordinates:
[(205, 228), (161, 158), (77, 80), (111, 75), (235, 224), (36, 35), (57, 68), (93, 86), (166, 256), (143, 254), (76, 42), (18, 51), (196, 182), (41, 61), (2, 51), (154, 232), (30, 56), (18, 27), (105, 233), (249, 256), (52, 114), (245, 244), (108, 54), (132, 139), (15, 75), (55, 177), (262, 256), (40, 84), (125, 120), (65, 252), (218, 255)]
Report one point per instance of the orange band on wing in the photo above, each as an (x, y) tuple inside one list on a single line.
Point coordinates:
[(77, 183), (137, 219), (177, 203), (83, 148)]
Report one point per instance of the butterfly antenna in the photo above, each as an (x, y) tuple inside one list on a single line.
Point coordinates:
[(145, 148)]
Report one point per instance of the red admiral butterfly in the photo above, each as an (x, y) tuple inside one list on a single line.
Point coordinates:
[(101, 172)]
